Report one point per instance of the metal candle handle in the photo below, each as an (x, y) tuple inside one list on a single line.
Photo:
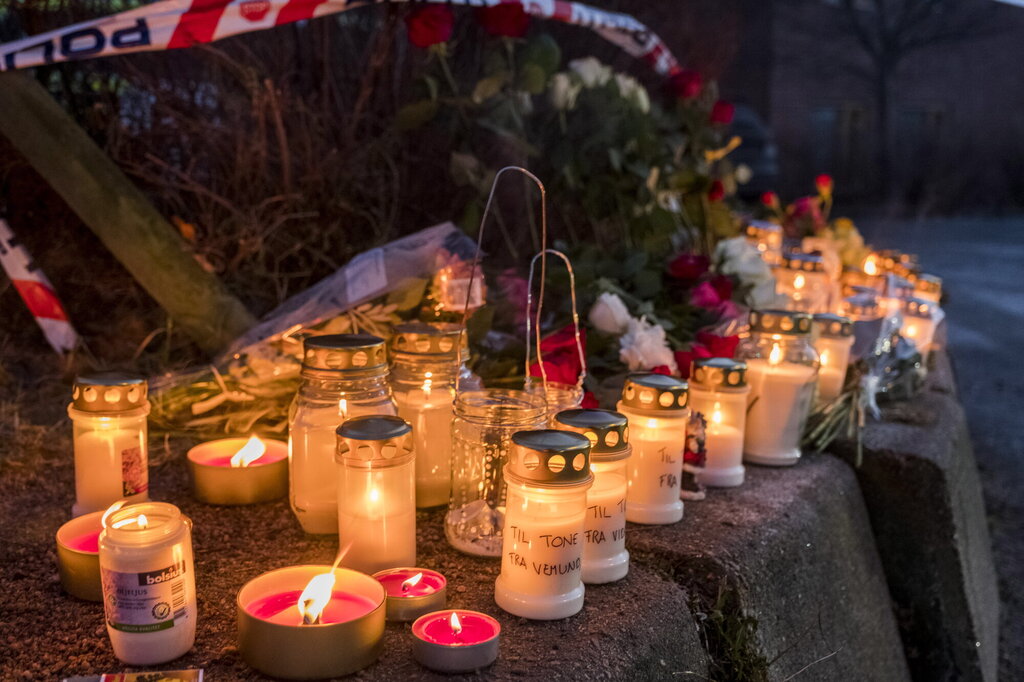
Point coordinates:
[(479, 246), (540, 306)]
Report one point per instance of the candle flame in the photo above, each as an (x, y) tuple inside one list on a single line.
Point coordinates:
[(716, 414), (314, 598), (775, 357), (456, 625), (912, 331), (248, 453), (412, 582), (428, 383), (110, 510), (798, 282), (824, 357), (870, 268)]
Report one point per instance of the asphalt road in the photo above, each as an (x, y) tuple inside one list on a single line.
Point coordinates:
[(981, 262)]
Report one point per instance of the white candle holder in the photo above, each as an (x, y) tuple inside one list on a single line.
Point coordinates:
[(782, 369), (376, 493), (343, 376), (919, 322), (718, 390), (605, 558), (802, 279), (109, 412), (867, 317), (656, 406), (928, 287), (767, 238), (833, 339), (548, 474)]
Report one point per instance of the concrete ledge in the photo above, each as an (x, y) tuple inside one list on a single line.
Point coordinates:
[(920, 483), (786, 574)]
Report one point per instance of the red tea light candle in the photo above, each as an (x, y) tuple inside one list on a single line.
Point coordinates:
[(235, 471), (310, 622), (412, 592), (455, 641), (78, 556)]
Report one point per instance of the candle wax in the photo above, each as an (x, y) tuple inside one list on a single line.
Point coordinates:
[(392, 582), (780, 398), (430, 414), (282, 608), (90, 542), (225, 461), (438, 630)]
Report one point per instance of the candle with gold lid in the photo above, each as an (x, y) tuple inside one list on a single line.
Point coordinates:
[(718, 390), (656, 406), (605, 558), (919, 322), (833, 338), (767, 238), (109, 411), (803, 280)]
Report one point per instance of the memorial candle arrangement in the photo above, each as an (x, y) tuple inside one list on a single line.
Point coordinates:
[(833, 339), (802, 279), (423, 377), (656, 406), (310, 622), (109, 412), (919, 322), (376, 478), (767, 237), (867, 318), (234, 471), (718, 390), (455, 641), (343, 376), (782, 368), (412, 592), (78, 561), (548, 474), (605, 558), (149, 584), (928, 287)]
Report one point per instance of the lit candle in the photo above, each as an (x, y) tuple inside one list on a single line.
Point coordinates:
[(718, 390), (310, 622), (833, 339), (412, 592), (801, 277), (767, 237), (557, 396), (928, 287), (234, 471), (656, 406), (781, 369), (78, 562), (344, 375), (110, 439), (455, 641), (149, 588), (376, 493), (605, 558), (548, 474), (919, 322)]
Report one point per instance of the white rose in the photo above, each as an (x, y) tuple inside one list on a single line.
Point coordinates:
[(592, 72), (642, 99), (643, 346), (762, 296), (564, 91), (609, 314), (743, 174)]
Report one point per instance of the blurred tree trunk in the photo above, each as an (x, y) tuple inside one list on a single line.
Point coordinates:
[(113, 208)]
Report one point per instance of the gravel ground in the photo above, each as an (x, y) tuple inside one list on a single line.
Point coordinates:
[(981, 262)]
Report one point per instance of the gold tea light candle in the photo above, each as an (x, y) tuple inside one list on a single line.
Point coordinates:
[(412, 592), (235, 471), (310, 622), (78, 556), (455, 641)]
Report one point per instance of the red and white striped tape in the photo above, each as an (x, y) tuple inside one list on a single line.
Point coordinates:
[(36, 291), (170, 24)]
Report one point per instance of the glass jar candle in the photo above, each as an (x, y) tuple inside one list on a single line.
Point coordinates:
[(423, 376), (855, 280), (802, 279), (832, 339), (656, 406), (928, 287), (108, 411), (919, 322), (866, 315), (376, 493), (557, 396), (897, 289), (343, 376), (718, 390), (149, 583), (767, 238), (782, 368), (481, 436), (548, 474), (605, 558)]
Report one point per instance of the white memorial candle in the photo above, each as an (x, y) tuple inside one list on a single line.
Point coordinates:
[(718, 390), (833, 339)]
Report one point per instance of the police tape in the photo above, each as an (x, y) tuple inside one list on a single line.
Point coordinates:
[(171, 24), (36, 291)]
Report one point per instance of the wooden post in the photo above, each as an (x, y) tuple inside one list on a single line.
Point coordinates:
[(124, 220)]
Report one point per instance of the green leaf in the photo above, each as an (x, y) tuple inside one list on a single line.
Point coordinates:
[(489, 87), (543, 51), (532, 78), (409, 296), (414, 115), (647, 283)]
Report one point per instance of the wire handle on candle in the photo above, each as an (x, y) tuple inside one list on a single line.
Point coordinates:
[(540, 307), (479, 246)]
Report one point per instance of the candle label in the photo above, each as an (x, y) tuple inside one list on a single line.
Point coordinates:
[(145, 602), (545, 554), (605, 523), (134, 477)]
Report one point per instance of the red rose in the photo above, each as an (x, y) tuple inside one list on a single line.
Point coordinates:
[(561, 357), (718, 346), (662, 369), (824, 184), (590, 401), (723, 112), (685, 358), (770, 199), (717, 191), (688, 267), (507, 19), (429, 25), (685, 84)]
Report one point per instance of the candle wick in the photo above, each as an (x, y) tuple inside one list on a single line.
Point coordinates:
[(306, 619)]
